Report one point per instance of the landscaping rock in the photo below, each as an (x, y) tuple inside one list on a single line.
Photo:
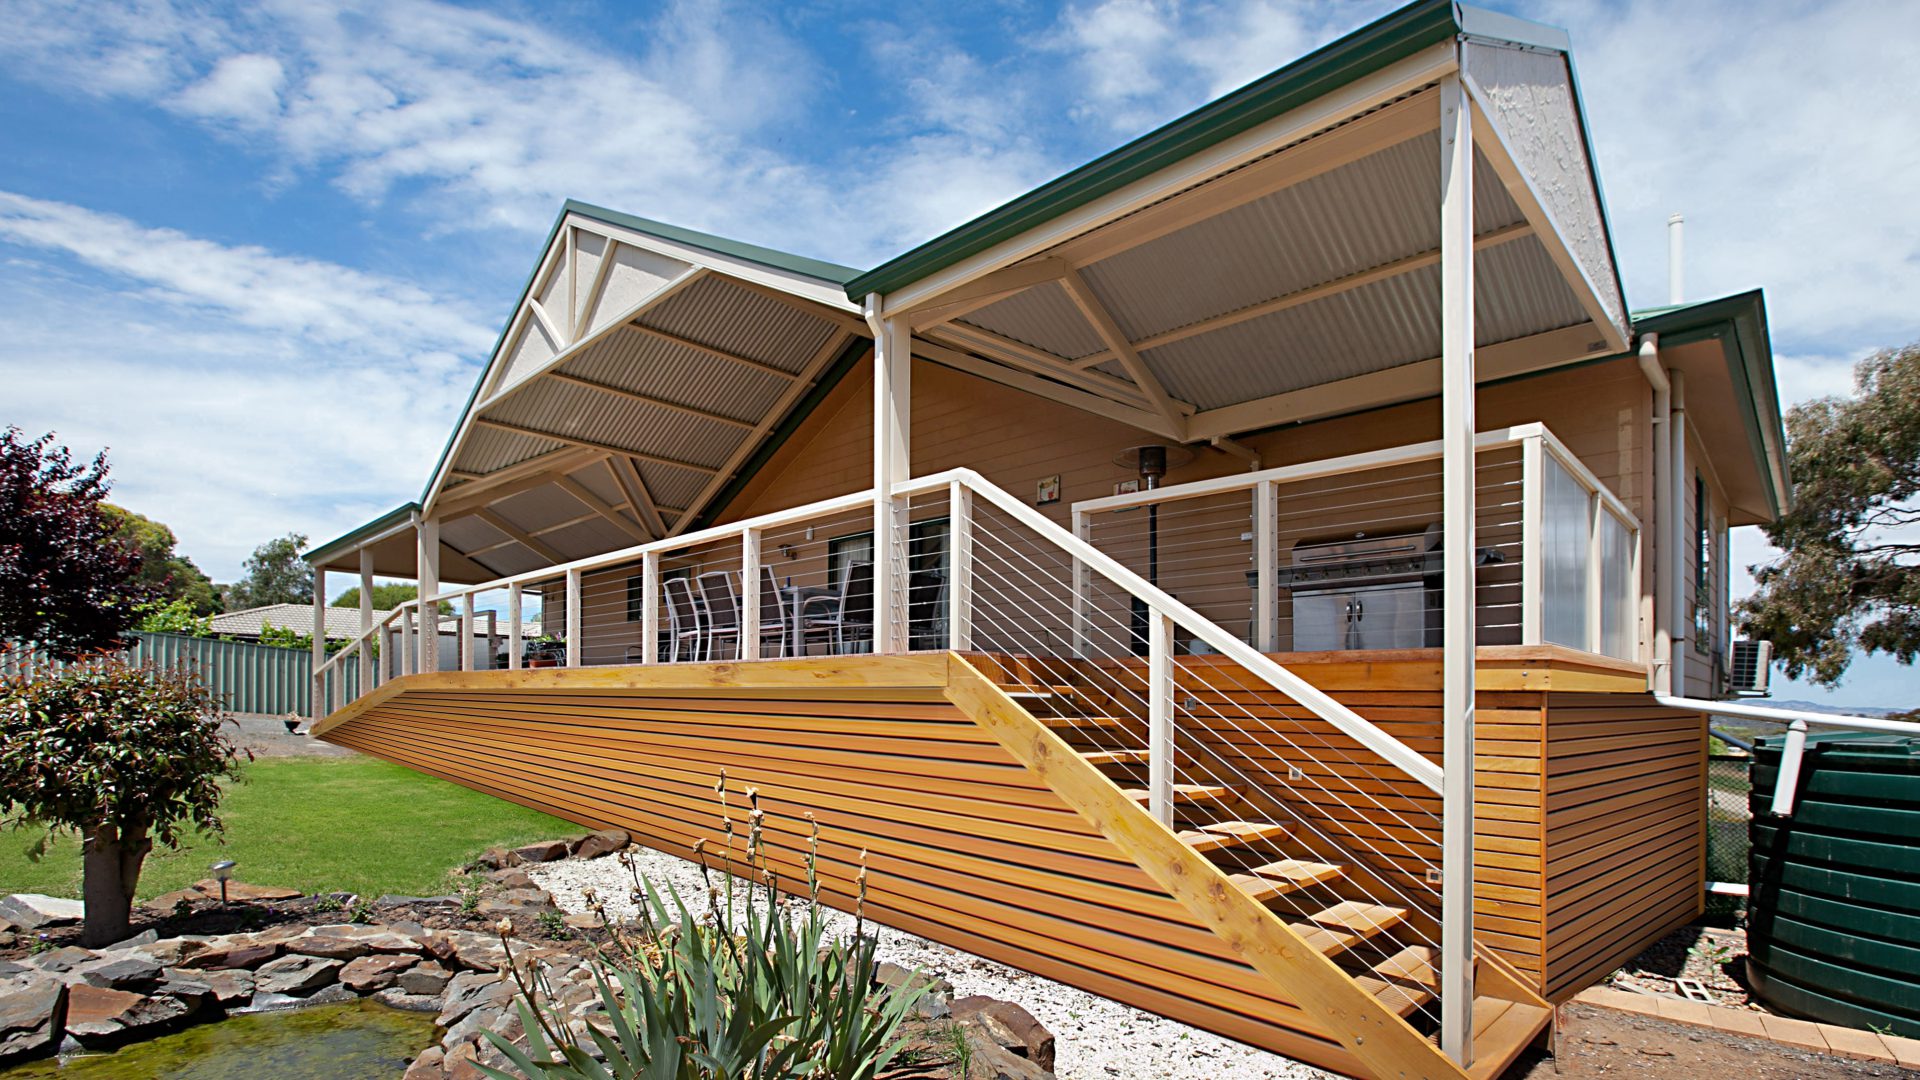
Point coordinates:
[(166, 902), (65, 958), (295, 974), (991, 1061), (126, 973), (229, 987), (32, 1020), (602, 844), (1009, 1025), (460, 1063), (428, 979), (512, 877), (544, 851), (444, 903), (517, 902), (194, 993), (174, 951), (144, 937), (331, 995), (395, 998), (585, 920), (375, 972), (495, 858), (470, 990), (97, 1015), (477, 952), (233, 953), (9, 969), (349, 942), (427, 1066), (37, 911)]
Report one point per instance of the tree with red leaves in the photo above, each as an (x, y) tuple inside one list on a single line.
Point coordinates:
[(69, 582)]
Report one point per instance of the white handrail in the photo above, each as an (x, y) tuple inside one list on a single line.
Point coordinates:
[(1272, 672), (1787, 784)]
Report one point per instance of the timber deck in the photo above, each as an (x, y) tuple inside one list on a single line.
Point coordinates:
[(986, 828)]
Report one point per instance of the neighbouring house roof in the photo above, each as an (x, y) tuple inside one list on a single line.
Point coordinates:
[(342, 622)]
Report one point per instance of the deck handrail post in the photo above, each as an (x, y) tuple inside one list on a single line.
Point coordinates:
[(573, 617), (408, 660), (959, 567), (1266, 566), (1596, 574), (749, 594), (1457, 388), (515, 602), (1160, 716), (1082, 591), (467, 628), (1532, 554), (650, 607)]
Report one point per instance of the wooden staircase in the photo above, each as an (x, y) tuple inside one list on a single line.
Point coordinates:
[(1316, 900)]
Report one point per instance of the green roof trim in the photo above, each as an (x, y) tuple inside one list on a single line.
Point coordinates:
[(832, 273), (352, 538), (1739, 324)]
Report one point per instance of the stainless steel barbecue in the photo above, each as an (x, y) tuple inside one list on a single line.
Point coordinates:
[(1367, 592)]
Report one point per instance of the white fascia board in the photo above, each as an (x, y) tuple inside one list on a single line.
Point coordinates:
[(800, 286)]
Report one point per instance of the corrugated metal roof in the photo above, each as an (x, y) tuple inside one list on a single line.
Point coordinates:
[(717, 312), (686, 376), (1044, 317), (670, 486), (567, 409), (488, 449)]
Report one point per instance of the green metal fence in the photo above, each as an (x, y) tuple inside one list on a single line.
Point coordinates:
[(1728, 785), (249, 678)]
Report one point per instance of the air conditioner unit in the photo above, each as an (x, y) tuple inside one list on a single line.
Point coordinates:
[(1752, 660)]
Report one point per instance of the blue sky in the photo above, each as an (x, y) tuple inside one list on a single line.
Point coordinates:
[(260, 251)]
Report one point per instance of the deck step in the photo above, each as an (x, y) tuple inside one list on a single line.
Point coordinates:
[(1225, 835), (1403, 1000), (1115, 757), (1359, 917), (1412, 966), (1072, 722), (1183, 794), (1327, 942), (1502, 1030), (1299, 873)]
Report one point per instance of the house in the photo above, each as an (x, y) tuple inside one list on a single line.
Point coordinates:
[(1266, 575), (344, 624)]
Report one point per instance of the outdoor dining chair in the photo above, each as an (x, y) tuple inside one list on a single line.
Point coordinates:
[(773, 615), (723, 612), (683, 620), (844, 616)]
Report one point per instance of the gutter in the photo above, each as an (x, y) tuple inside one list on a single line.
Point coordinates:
[(1666, 565)]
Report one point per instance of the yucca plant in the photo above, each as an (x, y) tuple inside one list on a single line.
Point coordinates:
[(742, 991)]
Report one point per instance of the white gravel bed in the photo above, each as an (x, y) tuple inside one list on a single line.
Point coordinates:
[(1096, 1038)]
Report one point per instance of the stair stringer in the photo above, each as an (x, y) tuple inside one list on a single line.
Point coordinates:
[(1385, 1042)]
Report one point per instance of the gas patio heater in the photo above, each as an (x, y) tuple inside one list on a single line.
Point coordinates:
[(1151, 461)]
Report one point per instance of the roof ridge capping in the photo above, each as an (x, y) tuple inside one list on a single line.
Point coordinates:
[(831, 273), (1385, 41)]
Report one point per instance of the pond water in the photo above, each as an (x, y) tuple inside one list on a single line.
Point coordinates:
[(357, 1040)]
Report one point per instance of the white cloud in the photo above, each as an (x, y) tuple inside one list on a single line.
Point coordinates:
[(243, 88), (243, 393)]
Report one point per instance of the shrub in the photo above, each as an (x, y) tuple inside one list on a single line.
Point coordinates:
[(745, 988)]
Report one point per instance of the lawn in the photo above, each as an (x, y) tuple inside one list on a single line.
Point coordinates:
[(315, 824)]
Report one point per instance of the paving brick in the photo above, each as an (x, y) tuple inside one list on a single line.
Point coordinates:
[(1905, 1051), (1855, 1043), (1793, 1032), (1621, 1000), (1739, 1022), (1684, 1012)]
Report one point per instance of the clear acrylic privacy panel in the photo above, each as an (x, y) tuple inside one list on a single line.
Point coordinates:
[(1617, 592), (1565, 532)]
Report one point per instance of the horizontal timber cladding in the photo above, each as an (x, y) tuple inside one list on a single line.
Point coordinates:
[(1625, 831), (963, 844)]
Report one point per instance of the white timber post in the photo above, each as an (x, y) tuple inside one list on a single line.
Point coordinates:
[(573, 618), (1082, 591), (750, 594), (959, 567), (1532, 555), (1457, 512), (650, 607), (892, 464), (1596, 572), (428, 531), (409, 659), (1266, 565), (493, 638), (366, 620), (1160, 717), (319, 642), (514, 604), (467, 629)]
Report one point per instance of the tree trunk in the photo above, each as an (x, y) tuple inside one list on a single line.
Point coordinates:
[(111, 862)]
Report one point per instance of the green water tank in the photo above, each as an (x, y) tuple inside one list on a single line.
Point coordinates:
[(1834, 921)]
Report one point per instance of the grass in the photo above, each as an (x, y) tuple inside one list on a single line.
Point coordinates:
[(315, 824)]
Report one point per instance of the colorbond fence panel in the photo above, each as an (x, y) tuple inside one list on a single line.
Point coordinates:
[(249, 678)]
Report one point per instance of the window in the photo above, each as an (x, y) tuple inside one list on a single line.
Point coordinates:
[(636, 596)]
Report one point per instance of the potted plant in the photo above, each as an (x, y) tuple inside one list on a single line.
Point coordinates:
[(545, 651)]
